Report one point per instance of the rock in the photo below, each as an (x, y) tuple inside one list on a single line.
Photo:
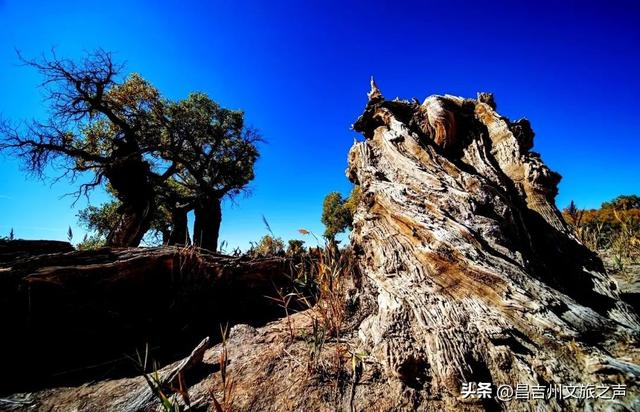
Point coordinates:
[(374, 94), (268, 371), (487, 98)]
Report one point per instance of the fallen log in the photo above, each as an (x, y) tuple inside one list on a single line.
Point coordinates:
[(11, 250), (76, 316)]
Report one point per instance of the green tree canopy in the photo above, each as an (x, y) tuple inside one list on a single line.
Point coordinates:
[(214, 154), (623, 202), (337, 212), (160, 158)]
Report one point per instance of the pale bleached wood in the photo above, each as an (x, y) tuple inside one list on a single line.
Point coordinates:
[(477, 276)]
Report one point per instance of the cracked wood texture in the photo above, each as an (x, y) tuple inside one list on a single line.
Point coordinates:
[(477, 276)]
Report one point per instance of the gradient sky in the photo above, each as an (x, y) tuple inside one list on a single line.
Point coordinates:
[(300, 70)]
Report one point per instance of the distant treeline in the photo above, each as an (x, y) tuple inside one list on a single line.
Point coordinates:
[(615, 226)]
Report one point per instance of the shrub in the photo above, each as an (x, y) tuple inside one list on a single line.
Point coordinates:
[(268, 246), (91, 242), (615, 227), (295, 248)]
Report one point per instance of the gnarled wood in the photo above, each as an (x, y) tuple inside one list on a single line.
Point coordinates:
[(477, 276)]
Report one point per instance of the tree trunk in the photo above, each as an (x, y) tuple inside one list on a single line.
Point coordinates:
[(206, 227), (134, 222), (130, 178), (166, 235), (477, 278), (179, 234)]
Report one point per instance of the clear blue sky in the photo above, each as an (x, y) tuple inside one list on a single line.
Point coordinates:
[(300, 70)]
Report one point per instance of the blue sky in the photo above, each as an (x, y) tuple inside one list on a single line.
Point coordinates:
[(300, 70)]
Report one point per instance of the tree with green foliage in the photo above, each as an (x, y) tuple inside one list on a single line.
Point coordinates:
[(214, 153), (335, 216), (160, 158), (267, 246), (351, 204), (100, 126), (623, 202), (337, 212), (99, 220)]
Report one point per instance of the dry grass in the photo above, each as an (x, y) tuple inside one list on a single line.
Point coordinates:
[(322, 279), (226, 392), (610, 231), (166, 394)]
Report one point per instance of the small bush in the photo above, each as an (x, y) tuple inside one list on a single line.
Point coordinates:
[(268, 246), (295, 248), (91, 242)]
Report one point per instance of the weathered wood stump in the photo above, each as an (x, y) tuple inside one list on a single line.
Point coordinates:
[(477, 276)]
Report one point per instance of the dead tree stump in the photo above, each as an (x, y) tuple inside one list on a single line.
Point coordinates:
[(476, 276)]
